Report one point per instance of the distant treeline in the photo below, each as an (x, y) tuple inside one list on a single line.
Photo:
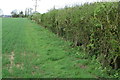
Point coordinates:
[(94, 26), (16, 13)]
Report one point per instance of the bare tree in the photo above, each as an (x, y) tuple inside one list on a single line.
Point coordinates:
[(28, 11)]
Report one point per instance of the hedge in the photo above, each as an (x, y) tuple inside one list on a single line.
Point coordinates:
[(94, 26)]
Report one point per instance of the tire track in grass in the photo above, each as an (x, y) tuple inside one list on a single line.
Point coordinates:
[(11, 62), (48, 59)]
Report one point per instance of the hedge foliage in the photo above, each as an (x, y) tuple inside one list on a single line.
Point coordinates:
[(95, 26)]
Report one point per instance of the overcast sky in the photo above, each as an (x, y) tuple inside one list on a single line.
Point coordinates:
[(44, 5)]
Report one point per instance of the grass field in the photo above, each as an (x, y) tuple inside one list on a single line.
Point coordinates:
[(0, 48), (31, 51)]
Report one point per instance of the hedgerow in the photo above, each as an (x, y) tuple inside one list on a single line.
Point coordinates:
[(94, 26)]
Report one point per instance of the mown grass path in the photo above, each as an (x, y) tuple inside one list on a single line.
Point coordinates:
[(31, 51)]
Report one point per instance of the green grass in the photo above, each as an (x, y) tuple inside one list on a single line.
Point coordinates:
[(0, 48), (31, 51)]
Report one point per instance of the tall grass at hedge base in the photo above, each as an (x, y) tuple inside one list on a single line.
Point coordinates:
[(94, 26)]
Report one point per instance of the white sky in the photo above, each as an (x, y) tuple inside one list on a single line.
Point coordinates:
[(44, 5)]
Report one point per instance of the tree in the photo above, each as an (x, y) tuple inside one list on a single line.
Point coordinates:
[(21, 14), (1, 13), (28, 11), (15, 13)]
